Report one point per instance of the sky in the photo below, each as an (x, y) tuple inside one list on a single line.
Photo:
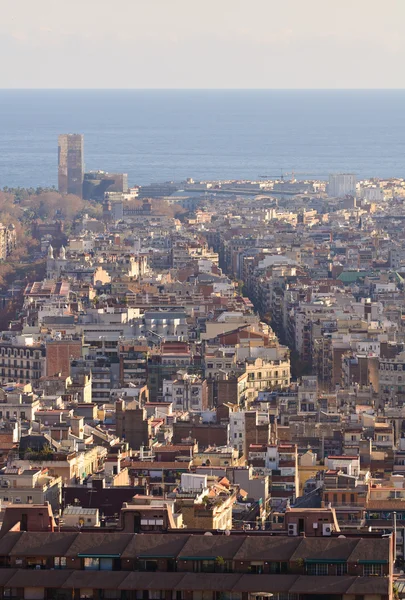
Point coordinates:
[(202, 44)]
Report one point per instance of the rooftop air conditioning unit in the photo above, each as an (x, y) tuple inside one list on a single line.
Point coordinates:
[(292, 529), (326, 529)]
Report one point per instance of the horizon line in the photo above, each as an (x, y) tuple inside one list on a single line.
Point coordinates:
[(202, 89)]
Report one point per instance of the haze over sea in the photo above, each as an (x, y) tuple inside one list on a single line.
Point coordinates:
[(161, 135)]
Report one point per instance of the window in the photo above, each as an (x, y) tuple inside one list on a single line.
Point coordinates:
[(274, 568), (59, 562), (149, 565), (36, 563), (317, 569), (92, 564), (341, 569), (207, 566), (106, 564), (372, 569), (256, 567)]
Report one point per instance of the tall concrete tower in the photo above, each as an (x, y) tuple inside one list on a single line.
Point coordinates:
[(71, 163)]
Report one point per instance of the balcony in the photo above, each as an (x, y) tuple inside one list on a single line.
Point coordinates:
[(352, 523), (347, 505)]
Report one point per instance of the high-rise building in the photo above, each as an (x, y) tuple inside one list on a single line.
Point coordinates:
[(8, 240), (71, 164), (341, 185)]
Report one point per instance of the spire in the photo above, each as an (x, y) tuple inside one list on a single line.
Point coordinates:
[(50, 251), (62, 253)]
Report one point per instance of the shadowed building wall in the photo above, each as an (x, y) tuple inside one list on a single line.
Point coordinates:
[(70, 163)]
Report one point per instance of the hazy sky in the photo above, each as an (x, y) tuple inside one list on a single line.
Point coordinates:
[(202, 43)]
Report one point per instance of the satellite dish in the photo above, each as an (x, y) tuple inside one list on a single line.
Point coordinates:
[(227, 532), (208, 533), (342, 536)]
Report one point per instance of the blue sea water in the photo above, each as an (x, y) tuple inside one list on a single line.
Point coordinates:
[(160, 135)]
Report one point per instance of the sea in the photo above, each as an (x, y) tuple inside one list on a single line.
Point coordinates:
[(170, 135)]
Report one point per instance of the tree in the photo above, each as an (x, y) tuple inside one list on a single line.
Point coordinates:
[(5, 270)]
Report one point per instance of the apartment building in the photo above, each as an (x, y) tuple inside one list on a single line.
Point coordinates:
[(220, 360), (119, 565), (248, 427), (132, 424), (166, 325), (104, 376), (267, 374), (73, 467), (391, 376), (280, 461), (164, 362), (30, 486), (341, 185), (21, 359), (133, 363), (18, 402), (186, 392), (308, 396), (8, 240)]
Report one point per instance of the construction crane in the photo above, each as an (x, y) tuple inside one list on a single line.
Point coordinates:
[(293, 175), (275, 176)]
